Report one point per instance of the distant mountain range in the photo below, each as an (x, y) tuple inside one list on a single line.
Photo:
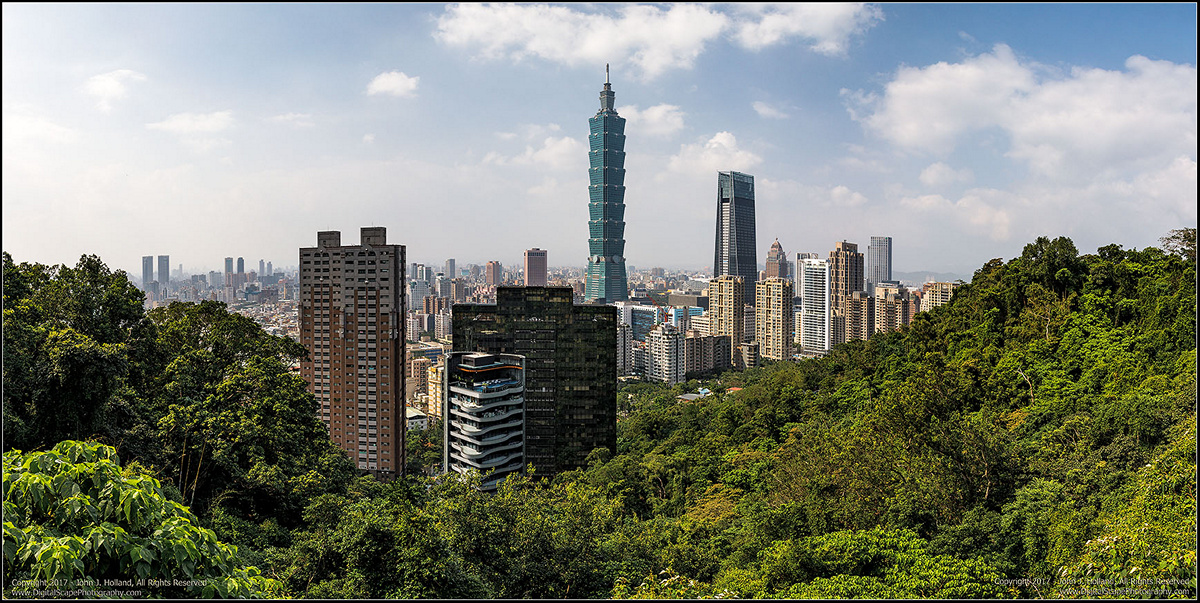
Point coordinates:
[(921, 277)]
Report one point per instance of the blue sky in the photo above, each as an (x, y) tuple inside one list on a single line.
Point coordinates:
[(962, 131)]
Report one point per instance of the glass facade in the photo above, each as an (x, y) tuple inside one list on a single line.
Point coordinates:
[(735, 251), (606, 279), (570, 356), (879, 262)]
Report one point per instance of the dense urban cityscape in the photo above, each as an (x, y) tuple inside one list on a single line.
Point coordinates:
[(795, 416)]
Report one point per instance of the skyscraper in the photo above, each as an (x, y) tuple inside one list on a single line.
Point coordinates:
[(164, 272), (228, 265), (535, 267), (494, 275), (879, 262), (450, 270), (606, 279), (351, 321), (735, 252), (774, 318), (814, 327), (147, 271), (777, 264), (570, 367), (262, 268), (241, 265)]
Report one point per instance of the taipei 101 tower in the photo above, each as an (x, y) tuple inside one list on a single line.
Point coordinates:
[(606, 282)]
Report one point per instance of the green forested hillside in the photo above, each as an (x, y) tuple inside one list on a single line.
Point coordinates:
[(1033, 438)]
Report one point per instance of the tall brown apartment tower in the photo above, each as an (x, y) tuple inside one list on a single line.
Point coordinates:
[(352, 323), (493, 274), (845, 277), (535, 267), (775, 317), (727, 310)]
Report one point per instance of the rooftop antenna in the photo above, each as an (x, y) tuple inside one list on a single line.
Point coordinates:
[(606, 74)]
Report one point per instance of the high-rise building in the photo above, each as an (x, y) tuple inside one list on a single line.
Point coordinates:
[(494, 275), (879, 262), (147, 271), (570, 362), (735, 252), (535, 267), (351, 309), (450, 270), (484, 405), (665, 360), (643, 319), (624, 350), (606, 279), (241, 265), (262, 268), (270, 269), (704, 353), (774, 318), (935, 294), (845, 277), (893, 307), (726, 310), (164, 271), (815, 310), (859, 316), (777, 263), (228, 266)]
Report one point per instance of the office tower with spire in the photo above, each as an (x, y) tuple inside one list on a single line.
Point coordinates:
[(735, 252), (777, 262), (606, 279)]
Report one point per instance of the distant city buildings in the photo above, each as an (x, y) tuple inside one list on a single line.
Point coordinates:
[(606, 280), (936, 294), (164, 271), (147, 271), (351, 303), (494, 274), (735, 253), (845, 277), (665, 360)]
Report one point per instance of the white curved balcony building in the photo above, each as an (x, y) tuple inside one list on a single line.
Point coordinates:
[(484, 405)]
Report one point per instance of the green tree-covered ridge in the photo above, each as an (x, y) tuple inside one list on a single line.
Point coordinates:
[(1034, 437)]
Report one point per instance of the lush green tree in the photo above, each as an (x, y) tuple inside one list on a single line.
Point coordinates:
[(72, 514)]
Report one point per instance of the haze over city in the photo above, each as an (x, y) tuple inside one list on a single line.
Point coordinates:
[(962, 131)]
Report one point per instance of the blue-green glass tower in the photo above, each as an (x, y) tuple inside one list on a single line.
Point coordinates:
[(606, 282)]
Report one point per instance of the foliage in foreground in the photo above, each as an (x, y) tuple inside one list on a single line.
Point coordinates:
[(72, 515)]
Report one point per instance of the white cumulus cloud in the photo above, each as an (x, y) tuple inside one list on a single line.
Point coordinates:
[(394, 83), (718, 154), (767, 111), (939, 174), (295, 120), (559, 153), (827, 27), (651, 38), (111, 86), (659, 120)]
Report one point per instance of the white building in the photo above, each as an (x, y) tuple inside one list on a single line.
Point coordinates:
[(814, 328), (665, 361)]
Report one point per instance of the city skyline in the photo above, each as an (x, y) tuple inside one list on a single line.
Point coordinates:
[(962, 131)]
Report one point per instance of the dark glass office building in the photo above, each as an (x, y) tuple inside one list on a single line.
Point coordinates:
[(879, 262), (735, 253), (606, 280), (570, 362)]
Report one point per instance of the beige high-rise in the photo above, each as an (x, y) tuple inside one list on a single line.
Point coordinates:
[(774, 318), (845, 277), (727, 308)]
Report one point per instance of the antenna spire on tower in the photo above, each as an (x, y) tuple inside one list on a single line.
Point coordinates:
[(606, 74)]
